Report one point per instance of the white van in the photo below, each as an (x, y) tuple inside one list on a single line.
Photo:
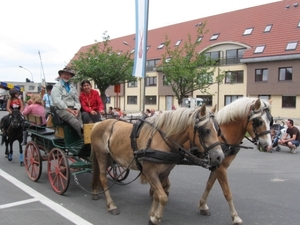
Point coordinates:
[(192, 102)]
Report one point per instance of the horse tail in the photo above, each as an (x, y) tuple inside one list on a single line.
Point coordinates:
[(96, 170)]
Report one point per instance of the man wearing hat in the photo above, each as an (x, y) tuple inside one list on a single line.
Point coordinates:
[(66, 101)]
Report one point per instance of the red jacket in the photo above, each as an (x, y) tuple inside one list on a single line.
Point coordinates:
[(91, 101)]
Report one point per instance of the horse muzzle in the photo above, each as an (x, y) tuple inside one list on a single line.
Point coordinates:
[(216, 156)]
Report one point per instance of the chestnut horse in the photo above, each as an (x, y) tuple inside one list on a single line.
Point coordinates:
[(250, 115), (153, 147)]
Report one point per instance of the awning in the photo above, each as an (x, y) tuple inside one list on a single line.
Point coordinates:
[(8, 86)]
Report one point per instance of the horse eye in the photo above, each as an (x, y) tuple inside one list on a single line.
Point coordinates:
[(203, 132)]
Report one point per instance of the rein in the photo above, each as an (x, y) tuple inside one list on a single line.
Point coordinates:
[(181, 155), (255, 125)]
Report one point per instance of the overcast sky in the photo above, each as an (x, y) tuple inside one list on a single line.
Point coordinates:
[(58, 28)]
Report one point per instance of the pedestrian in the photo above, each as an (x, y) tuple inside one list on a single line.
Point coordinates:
[(293, 140), (66, 101), (91, 103), (47, 99)]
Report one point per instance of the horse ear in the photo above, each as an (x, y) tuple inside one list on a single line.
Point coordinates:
[(270, 101), (214, 109), (203, 110), (256, 105)]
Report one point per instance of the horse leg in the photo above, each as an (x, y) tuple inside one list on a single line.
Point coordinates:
[(221, 175), (166, 188), (21, 154), (223, 181), (10, 151), (203, 207), (103, 158)]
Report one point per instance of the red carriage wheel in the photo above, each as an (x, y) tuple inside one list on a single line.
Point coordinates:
[(58, 171), (33, 161), (118, 172)]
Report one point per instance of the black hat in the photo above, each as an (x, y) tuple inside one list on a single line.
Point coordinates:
[(67, 70), (13, 91)]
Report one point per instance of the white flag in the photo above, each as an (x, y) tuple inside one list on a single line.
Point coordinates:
[(141, 12)]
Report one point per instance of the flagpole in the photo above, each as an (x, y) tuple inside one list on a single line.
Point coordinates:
[(44, 83)]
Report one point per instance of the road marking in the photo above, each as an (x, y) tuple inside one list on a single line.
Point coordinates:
[(18, 203), (44, 200)]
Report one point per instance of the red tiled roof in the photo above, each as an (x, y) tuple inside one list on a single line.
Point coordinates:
[(231, 27)]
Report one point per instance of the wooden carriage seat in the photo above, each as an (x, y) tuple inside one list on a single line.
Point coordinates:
[(36, 124)]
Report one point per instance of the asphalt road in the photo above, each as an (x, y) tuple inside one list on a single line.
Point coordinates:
[(266, 190)]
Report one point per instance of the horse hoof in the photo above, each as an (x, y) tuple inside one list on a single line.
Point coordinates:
[(21, 163), (95, 197), (205, 212), (151, 223), (114, 212)]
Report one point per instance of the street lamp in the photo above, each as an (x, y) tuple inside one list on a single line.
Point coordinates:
[(28, 71)]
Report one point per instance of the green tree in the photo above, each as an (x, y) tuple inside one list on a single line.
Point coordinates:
[(103, 65), (187, 70)]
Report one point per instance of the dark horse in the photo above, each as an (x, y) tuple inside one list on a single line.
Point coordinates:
[(12, 125)]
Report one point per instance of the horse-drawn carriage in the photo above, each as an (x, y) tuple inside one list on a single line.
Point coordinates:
[(154, 147), (65, 152)]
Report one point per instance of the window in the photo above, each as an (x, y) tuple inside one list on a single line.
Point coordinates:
[(31, 88), (259, 49), (120, 52), (132, 84), (178, 42), (261, 75), (298, 24), (248, 31), (214, 56), (161, 46), (234, 77), (151, 64), (230, 98), (132, 100), (288, 102), (198, 24), (233, 56), (207, 99), (264, 97), (150, 100), (151, 81), (199, 39), (291, 45), (132, 51), (285, 73), (268, 28), (205, 79), (214, 37)]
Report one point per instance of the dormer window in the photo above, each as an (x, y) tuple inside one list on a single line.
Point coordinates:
[(214, 37), (248, 31), (291, 45), (120, 52), (132, 51), (268, 28), (178, 42), (298, 24), (161, 46), (148, 47), (199, 39), (259, 49)]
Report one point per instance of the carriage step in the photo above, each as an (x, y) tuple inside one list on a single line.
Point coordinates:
[(81, 164)]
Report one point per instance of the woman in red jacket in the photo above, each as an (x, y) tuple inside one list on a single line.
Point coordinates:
[(91, 103)]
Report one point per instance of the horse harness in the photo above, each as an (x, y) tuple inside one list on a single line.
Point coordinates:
[(229, 149), (176, 156)]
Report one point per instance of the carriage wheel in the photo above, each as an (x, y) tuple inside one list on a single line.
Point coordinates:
[(33, 161), (117, 172), (58, 171)]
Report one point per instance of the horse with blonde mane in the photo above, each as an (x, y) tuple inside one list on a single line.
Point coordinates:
[(250, 115), (153, 146)]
